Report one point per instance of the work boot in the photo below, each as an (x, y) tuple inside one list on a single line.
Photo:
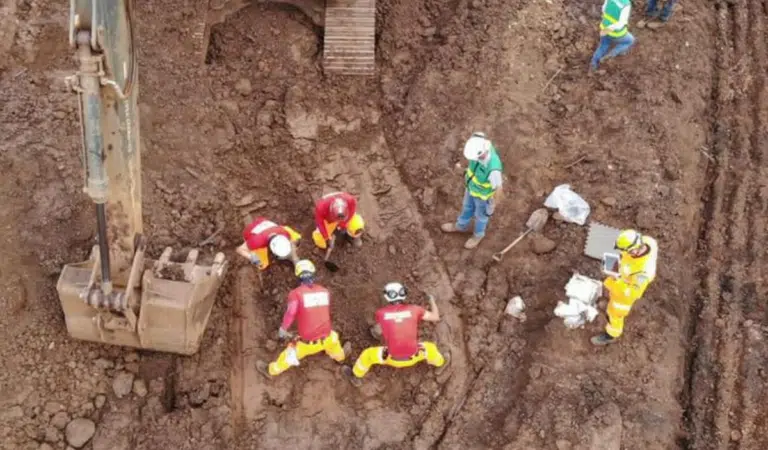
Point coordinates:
[(603, 339), (346, 371), (263, 369), (441, 369), (451, 228), (472, 242)]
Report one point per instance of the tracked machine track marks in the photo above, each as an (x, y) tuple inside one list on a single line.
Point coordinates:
[(728, 386)]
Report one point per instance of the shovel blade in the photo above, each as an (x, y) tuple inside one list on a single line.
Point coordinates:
[(538, 219)]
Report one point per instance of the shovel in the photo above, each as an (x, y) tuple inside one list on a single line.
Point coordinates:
[(535, 223), (330, 265)]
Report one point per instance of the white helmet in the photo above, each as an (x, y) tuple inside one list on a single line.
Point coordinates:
[(395, 292), (476, 145), (304, 268), (280, 246)]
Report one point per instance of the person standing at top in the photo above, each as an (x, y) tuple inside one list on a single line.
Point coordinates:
[(614, 32)]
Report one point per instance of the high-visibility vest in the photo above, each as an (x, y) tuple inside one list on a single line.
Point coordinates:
[(613, 9), (477, 176)]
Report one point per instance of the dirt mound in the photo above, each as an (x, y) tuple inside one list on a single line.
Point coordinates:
[(669, 139)]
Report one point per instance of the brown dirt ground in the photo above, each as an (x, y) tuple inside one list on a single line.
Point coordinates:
[(670, 139)]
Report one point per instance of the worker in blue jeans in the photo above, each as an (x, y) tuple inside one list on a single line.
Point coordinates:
[(666, 12), (613, 31)]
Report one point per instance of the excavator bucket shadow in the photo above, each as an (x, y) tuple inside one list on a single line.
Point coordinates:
[(163, 306)]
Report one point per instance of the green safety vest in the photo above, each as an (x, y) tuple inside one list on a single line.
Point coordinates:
[(476, 177), (611, 15)]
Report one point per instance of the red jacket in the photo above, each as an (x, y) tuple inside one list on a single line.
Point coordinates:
[(400, 328), (311, 307), (323, 212), (258, 232)]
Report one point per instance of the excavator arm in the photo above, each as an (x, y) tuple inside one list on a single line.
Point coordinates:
[(120, 296)]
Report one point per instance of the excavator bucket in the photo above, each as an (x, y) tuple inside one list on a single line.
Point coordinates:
[(163, 306)]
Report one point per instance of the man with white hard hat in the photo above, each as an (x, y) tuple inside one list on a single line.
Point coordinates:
[(263, 237), (482, 180)]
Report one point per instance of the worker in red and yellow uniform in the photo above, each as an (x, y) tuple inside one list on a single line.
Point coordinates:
[(637, 269), (337, 211), (264, 237), (398, 324), (310, 305)]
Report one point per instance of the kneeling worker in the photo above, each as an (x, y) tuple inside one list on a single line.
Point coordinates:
[(398, 323), (334, 212), (310, 305), (637, 269), (263, 237)]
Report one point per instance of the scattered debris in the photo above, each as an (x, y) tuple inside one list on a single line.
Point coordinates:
[(79, 432), (516, 307), (569, 204), (542, 245), (582, 293)]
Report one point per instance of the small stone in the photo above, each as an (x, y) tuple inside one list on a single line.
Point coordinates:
[(735, 436), (60, 420), (243, 87), (53, 407), (79, 432), (392, 250), (609, 201), (103, 363), (748, 323), (230, 106), (139, 387), (122, 384), (99, 401), (52, 435), (562, 444), (246, 200), (720, 323), (535, 371), (542, 245), (200, 395)]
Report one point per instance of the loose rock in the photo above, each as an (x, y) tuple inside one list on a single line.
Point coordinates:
[(60, 420), (79, 432), (243, 87), (139, 387), (609, 201), (543, 245), (122, 384)]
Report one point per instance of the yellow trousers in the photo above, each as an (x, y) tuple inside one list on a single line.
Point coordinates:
[(372, 356), (621, 301), (354, 226), (263, 253), (298, 350)]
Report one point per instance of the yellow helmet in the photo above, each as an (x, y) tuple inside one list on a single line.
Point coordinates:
[(628, 240), (304, 267)]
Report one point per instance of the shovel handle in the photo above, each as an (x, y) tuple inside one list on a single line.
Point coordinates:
[(497, 256)]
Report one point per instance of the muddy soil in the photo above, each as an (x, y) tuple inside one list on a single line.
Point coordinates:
[(670, 139)]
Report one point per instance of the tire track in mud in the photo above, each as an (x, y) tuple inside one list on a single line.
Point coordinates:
[(728, 349)]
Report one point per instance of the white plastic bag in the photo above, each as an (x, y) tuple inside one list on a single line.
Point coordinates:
[(582, 293), (569, 204)]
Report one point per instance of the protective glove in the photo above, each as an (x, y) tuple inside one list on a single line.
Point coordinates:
[(283, 334)]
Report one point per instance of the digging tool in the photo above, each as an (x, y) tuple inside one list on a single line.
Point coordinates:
[(535, 223), (330, 265)]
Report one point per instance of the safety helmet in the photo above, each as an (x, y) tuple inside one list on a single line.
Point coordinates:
[(628, 240), (305, 269), (339, 207), (280, 246), (476, 145), (395, 292)]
